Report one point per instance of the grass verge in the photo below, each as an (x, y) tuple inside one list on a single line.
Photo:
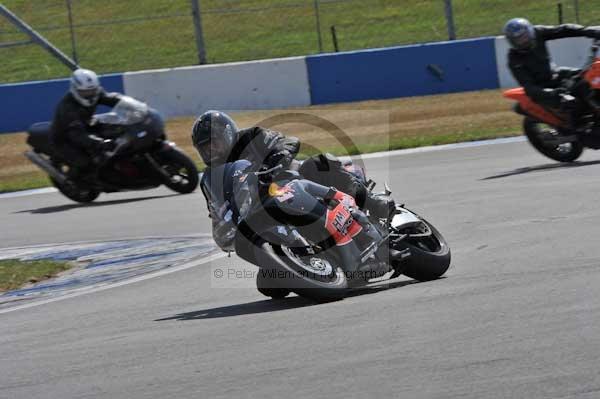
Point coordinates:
[(367, 126), (15, 273), (114, 36)]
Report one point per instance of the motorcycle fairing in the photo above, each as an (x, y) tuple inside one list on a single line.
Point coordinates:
[(281, 193), (339, 221), (592, 76), (531, 108)]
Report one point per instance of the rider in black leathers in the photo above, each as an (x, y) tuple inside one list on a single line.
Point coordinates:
[(530, 62), (72, 127), (218, 140)]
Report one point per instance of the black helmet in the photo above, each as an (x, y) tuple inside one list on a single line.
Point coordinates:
[(214, 134), (520, 33)]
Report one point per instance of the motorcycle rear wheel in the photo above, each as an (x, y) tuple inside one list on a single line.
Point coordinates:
[(264, 286), (535, 130), (319, 288), (75, 193)]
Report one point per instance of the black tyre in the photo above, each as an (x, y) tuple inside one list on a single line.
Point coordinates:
[(76, 193), (540, 136), (265, 285), (429, 253), (328, 284), (183, 172)]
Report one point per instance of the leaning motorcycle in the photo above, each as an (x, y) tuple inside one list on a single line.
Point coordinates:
[(143, 158), (313, 240), (550, 131)]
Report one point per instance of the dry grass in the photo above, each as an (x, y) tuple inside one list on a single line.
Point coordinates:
[(368, 126)]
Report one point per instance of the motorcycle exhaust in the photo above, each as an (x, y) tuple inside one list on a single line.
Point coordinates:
[(46, 166)]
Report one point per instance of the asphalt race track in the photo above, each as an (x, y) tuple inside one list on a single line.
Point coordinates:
[(518, 315)]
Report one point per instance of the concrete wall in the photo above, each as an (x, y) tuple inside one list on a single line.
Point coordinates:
[(266, 84), (403, 71), (572, 52)]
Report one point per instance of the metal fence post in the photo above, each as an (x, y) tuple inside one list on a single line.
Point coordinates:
[(36, 37), (560, 14), (318, 20), (334, 38), (197, 17), (576, 5), (73, 43), (450, 20)]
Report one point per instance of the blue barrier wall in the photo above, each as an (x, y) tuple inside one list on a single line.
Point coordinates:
[(22, 104), (431, 68), (403, 71)]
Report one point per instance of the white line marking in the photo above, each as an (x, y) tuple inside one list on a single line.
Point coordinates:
[(55, 244), (120, 283), (25, 193), (443, 147), (372, 155)]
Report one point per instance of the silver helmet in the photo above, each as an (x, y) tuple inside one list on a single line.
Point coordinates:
[(85, 87)]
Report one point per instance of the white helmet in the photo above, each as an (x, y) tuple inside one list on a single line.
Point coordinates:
[(85, 87)]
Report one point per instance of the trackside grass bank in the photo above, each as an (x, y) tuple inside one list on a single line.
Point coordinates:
[(112, 36), (367, 126)]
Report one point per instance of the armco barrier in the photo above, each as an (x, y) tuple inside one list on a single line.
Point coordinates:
[(250, 85), (433, 68), (572, 52), (25, 103)]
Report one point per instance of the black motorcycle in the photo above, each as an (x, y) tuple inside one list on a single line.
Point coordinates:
[(142, 158), (313, 240)]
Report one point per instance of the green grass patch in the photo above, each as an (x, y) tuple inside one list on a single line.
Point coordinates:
[(26, 182), (15, 273), (39, 180), (400, 143)]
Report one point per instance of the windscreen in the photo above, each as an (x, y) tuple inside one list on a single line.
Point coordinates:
[(128, 111)]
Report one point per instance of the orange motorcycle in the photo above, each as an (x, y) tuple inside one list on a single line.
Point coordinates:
[(550, 131)]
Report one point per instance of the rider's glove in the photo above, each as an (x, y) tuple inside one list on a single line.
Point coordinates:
[(283, 158)]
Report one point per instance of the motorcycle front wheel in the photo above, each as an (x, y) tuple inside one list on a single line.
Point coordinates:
[(429, 253), (183, 173)]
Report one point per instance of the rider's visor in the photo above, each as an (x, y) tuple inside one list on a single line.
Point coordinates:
[(213, 150), (88, 94)]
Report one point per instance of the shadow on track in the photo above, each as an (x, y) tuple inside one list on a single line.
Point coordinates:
[(541, 168), (63, 208), (264, 306), (273, 305)]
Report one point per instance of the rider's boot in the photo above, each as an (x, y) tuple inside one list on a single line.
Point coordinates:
[(570, 106)]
